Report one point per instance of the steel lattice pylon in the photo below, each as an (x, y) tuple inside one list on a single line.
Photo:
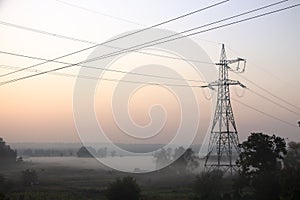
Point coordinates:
[(223, 143)]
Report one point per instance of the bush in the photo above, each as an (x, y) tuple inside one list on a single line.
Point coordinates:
[(29, 177), (209, 185), (126, 188)]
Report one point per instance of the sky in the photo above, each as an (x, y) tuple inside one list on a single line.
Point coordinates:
[(40, 109)]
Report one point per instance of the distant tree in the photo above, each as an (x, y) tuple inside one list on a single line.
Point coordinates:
[(209, 185), (29, 177), (86, 152), (121, 189), (186, 160), (260, 163), (162, 158), (28, 152), (113, 153), (102, 152), (7, 155)]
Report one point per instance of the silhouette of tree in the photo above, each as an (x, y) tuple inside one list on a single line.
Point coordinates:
[(86, 152), (29, 177), (209, 185), (102, 152), (126, 188), (260, 163), (292, 158), (186, 160), (7, 155), (162, 158), (261, 153), (290, 176)]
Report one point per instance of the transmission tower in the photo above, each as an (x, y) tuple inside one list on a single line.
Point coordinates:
[(223, 144)]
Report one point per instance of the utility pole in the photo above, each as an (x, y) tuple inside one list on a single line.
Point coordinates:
[(224, 141)]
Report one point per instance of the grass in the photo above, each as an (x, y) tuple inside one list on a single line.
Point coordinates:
[(72, 183)]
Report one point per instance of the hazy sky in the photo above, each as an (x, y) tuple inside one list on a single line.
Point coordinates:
[(40, 109)]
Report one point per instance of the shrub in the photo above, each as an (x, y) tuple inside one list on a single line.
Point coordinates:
[(126, 188)]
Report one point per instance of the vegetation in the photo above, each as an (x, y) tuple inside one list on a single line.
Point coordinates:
[(267, 169), (207, 182), (86, 152), (7, 155), (184, 160), (29, 177), (290, 175), (126, 188)]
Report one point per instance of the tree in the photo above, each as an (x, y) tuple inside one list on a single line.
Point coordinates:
[(162, 158), (290, 175), (7, 155), (186, 160), (292, 158), (261, 153), (260, 164), (86, 152), (209, 185), (29, 177), (126, 188)]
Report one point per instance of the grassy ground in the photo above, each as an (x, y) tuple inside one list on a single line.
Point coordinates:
[(72, 183)]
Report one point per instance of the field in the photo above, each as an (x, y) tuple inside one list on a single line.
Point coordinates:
[(85, 178)]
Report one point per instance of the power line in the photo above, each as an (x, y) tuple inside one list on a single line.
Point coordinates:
[(149, 43), (270, 100), (264, 113), (124, 36), (267, 91), (191, 34), (210, 29), (91, 67), (270, 73), (44, 32), (117, 71), (108, 79), (88, 42), (100, 13), (68, 37), (97, 68), (158, 84)]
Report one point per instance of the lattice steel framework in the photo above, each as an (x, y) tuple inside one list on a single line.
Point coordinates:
[(223, 143)]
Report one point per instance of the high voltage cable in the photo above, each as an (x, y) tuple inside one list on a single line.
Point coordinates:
[(75, 39), (270, 100), (141, 46), (100, 13), (111, 70), (133, 73), (149, 83), (108, 79), (270, 93), (265, 70), (264, 113), (267, 91), (192, 29), (126, 35), (88, 42), (91, 67), (210, 29)]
